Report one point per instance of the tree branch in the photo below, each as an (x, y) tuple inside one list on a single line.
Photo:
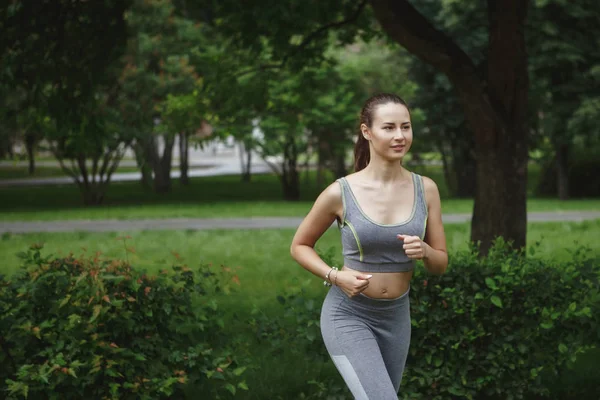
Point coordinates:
[(318, 32), (407, 26), (307, 40)]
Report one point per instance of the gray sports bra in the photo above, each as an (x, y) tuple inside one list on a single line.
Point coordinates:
[(368, 246)]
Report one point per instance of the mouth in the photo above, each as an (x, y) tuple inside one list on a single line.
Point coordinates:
[(398, 148)]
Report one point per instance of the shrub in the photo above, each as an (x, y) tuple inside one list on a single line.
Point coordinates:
[(490, 327), (487, 329), (92, 328)]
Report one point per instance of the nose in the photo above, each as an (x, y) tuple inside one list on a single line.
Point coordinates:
[(399, 135)]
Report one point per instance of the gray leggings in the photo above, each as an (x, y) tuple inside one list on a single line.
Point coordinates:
[(368, 341)]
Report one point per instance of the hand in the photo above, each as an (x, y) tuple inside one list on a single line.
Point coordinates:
[(352, 282), (414, 247)]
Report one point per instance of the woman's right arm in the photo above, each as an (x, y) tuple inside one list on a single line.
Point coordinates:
[(322, 215)]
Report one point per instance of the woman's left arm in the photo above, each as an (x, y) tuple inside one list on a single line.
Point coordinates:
[(436, 255), (432, 250)]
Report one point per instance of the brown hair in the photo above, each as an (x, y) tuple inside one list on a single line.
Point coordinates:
[(361, 148)]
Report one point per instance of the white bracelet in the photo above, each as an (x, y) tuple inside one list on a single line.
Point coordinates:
[(327, 281)]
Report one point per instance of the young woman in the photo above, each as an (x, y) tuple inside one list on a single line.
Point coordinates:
[(388, 218)]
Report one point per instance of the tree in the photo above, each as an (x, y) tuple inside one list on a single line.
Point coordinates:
[(184, 114), (493, 94), (563, 41), (283, 129), (238, 95), (158, 63), (62, 55), (494, 100), (445, 128), (89, 142)]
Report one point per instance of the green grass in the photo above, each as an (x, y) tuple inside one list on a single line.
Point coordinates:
[(262, 261), (258, 253), (222, 196)]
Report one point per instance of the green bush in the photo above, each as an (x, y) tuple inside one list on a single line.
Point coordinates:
[(89, 328), (496, 327), (491, 326)]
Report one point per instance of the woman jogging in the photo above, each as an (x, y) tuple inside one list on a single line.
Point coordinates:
[(388, 218)]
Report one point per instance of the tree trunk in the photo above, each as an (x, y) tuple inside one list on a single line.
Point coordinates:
[(340, 163), (290, 177), (562, 171), (184, 165), (495, 107), (245, 152), (162, 166), (144, 165), (30, 146), (92, 196), (248, 170), (448, 176)]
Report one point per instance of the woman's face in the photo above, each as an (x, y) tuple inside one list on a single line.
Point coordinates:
[(390, 135)]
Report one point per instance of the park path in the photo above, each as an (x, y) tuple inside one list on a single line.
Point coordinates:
[(234, 223), (202, 163)]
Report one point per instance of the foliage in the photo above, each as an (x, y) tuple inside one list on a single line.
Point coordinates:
[(496, 327), (62, 56), (98, 328), (491, 326), (162, 69)]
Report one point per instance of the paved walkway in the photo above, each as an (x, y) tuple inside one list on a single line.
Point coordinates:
[(206, 164), (233, 223)]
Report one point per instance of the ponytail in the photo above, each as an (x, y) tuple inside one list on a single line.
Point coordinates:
[(362, 155)]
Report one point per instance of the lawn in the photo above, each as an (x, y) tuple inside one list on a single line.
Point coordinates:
[(257, 253), (221, 196), (261, 260)]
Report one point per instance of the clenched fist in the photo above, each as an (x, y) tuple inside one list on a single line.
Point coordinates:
[(414, 247)]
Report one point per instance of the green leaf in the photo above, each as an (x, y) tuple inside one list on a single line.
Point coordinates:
[(496, 301), (546, 325), (65, 301), (96, 313), (238, 371), (491, 283), (231, 388), (242, 385), (562, 348)]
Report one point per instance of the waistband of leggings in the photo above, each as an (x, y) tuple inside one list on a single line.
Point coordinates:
[(371, 302)]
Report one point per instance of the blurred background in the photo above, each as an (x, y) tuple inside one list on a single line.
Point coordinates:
[(178, 131)]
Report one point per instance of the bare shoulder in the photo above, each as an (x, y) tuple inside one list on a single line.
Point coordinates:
[(326, 209), (330, 198), (432, 192), (429, 184), (352, 176)]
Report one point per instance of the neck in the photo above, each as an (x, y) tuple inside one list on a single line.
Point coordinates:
[(384, 171)]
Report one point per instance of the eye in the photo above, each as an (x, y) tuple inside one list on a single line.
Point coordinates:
[(406, 127), (387, 128)]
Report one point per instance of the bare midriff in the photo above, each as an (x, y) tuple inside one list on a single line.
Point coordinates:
[(386, 285)]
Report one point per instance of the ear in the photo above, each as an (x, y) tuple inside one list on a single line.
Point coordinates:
[(364, 130)]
